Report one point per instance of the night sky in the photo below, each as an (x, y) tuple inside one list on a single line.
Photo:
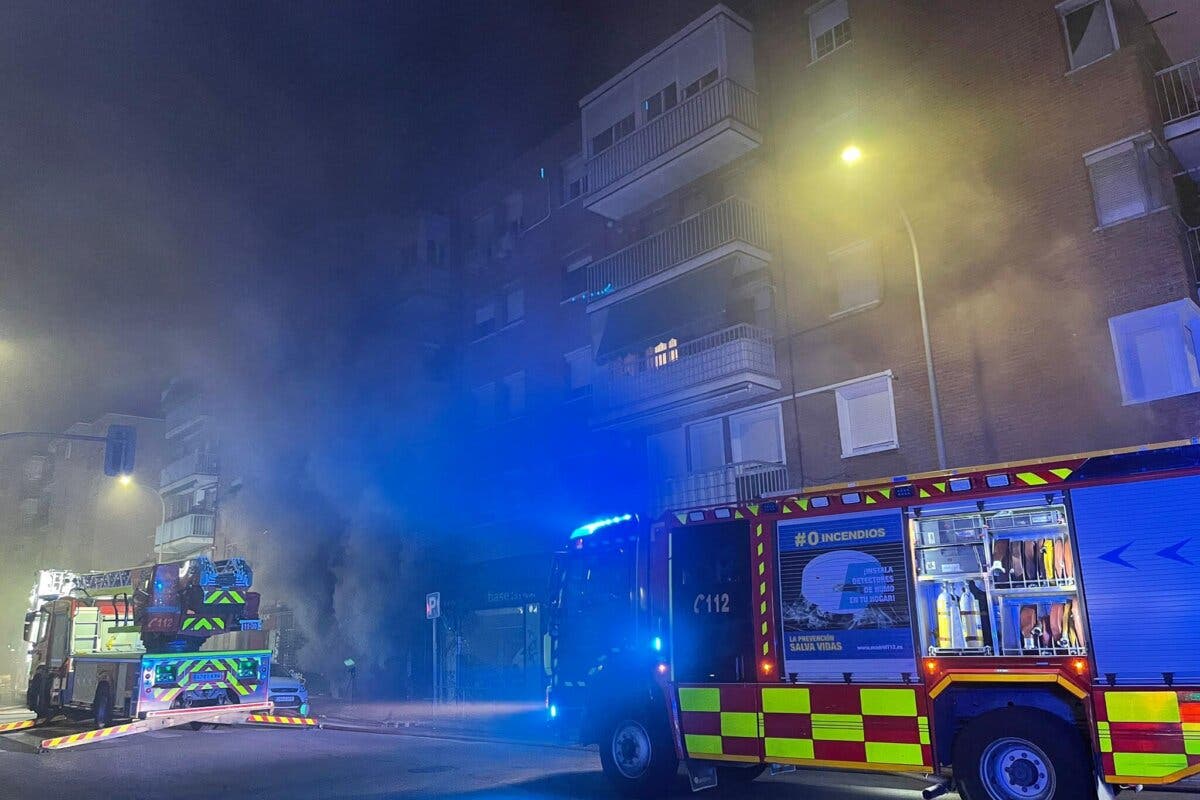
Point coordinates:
[(206, 188)]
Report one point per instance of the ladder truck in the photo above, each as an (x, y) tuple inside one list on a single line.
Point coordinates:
[(1020, 631), (123, 649)]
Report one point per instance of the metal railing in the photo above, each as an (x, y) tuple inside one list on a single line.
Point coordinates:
[(733, 219), (732, 483), (1191, 243), (191, 464), (189, 526), (723, 100), (663, 371), (184, 413), (1178, 90)]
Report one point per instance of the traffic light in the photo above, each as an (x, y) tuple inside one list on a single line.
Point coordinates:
[(119, 444)]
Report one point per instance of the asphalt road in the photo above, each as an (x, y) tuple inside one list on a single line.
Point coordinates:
[(231, 763)]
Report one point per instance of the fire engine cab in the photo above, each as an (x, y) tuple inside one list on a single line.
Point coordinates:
[(1023, 631)]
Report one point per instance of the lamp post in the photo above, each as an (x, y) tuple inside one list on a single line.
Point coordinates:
[(851, 155), (127, 480)]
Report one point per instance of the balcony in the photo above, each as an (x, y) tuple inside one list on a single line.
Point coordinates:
[(733, 226), (192, 464), (699, 135), (736, 362), (183, 415), (1178, 91), (185, 534), (732, 483)]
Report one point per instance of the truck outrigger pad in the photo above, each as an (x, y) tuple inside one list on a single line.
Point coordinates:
[(220, 715)]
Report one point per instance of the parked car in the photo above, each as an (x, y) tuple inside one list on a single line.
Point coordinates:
[(288, 690)]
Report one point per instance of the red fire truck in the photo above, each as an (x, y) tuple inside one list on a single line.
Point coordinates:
[(1022, 631)]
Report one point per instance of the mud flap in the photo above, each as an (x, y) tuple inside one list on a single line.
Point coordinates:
[(780, 769), (701, 775), (1103, 790)]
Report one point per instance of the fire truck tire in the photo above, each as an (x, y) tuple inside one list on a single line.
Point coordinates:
[(638, 756), (102, 706), (1021, 754), (38, 697)]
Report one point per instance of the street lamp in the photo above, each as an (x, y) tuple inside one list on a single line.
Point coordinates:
[(127, 480), (851, 155)]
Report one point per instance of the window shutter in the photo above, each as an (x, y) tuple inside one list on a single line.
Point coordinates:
[(857, 273), (707, 443), (867, 416), (827, 16), (1117, 185)]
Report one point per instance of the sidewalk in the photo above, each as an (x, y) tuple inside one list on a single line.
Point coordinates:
[(512, 722)]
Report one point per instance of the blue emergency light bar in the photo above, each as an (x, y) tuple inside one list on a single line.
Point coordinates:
[(592, 527)]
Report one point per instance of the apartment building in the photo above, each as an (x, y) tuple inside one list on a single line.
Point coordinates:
[(189, 481), (722, 277)]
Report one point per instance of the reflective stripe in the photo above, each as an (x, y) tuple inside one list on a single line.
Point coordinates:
[(786, 701), (1149, 765), (889, 703), (1104, 734), (739, 723), (1191, 738), (700, 700), (1142, 706), (893, 753), (789, 748), (702, 744), (838, 727), (923, 729), (1031, 478)]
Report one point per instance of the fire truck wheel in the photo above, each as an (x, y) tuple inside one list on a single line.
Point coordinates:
[(102, 710), (38, 697), (1020, 754), (638, 757)]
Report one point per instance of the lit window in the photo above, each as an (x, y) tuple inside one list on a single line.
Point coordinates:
[(1156, 351), (1127, 180), (664, 353), (828, 27), (867, 416), (1088, 26), (855, 270)]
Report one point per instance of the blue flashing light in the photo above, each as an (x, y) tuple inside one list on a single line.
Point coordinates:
[(553, 711), (657, 643), (592, 527)]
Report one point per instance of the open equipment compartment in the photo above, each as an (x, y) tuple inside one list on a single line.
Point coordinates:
[(997, 578)]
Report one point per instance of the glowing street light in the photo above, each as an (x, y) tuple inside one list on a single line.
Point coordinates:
[(125, 479), (851, 155)]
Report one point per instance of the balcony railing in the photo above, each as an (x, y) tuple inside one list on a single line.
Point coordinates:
[(1178, 90), (732, 483), (191, 464), (723, 354), (1192, 245), (723, 100), (184, 413), (187, 527), (730, 220)]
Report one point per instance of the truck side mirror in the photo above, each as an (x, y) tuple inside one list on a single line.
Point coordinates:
[(29, 618)]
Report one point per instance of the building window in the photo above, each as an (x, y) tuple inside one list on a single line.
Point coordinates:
[(612, 134), (579, 371), (855, 269), (1127, 180), (514, 306), (706, 445), (514, 394), (660, 102), (667, 453), (700, 84), (757, 436), (485, 403), (1090, 31), (1156, 351), (867, 416), (665, 353), (828, 27), (575, 278), (575, 182), (485, 320)]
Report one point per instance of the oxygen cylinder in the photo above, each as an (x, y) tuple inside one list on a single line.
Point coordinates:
[(972, 623), (950, 627)]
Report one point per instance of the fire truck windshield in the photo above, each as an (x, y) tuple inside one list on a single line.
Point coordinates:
[(595, 609)]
